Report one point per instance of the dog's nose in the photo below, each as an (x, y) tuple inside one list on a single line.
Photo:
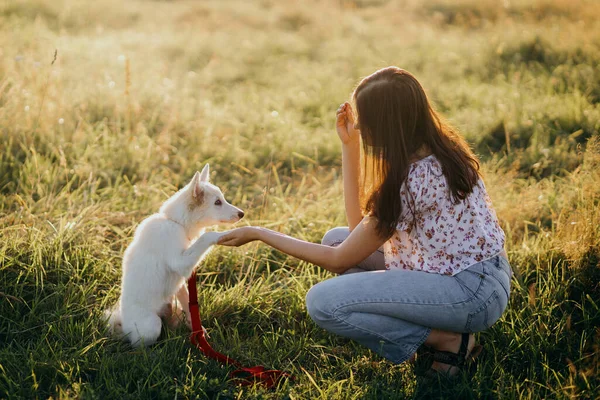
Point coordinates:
[(241, 214)]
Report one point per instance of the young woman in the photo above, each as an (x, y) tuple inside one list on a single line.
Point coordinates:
[(427, 240)]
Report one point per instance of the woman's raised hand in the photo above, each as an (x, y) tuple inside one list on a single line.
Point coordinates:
[(344, 124)]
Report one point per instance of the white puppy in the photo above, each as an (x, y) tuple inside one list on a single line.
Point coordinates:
[(165, 249)]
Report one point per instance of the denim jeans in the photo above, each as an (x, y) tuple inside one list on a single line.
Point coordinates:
[(393, 311)]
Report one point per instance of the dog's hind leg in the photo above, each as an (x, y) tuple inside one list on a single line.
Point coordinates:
[(143, 330), (172, 313), (166, 310)]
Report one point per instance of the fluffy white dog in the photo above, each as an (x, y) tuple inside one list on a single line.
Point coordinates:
[(165, 249)]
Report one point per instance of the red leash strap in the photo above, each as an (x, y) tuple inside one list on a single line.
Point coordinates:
[(242, 376)]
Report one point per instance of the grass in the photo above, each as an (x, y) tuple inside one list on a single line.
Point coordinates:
[(143, 93)]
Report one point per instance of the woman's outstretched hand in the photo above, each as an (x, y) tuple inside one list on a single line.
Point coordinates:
[(344, 124), (239, 237)]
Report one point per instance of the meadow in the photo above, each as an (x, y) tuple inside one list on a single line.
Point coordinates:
[(108, 107)]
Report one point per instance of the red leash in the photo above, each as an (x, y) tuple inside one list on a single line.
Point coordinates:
[(242, 376)]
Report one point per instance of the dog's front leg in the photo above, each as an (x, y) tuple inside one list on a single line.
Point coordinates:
[(185, 262), (183, 297)]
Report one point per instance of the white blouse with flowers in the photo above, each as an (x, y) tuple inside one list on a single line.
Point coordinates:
[(444, 237)]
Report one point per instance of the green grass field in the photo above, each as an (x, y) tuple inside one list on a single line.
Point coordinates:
[(143, 93)]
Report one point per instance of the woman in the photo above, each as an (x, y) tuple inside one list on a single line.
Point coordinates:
[(427, 240)]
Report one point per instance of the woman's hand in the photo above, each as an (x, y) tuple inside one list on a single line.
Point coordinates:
[(344, 124), (239, 237)]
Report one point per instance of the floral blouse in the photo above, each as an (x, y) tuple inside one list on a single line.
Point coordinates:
[(444, 237)]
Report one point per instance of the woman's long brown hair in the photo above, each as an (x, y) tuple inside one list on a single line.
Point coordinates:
[(396, 120)]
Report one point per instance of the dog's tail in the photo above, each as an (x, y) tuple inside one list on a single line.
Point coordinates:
[(112, 317)]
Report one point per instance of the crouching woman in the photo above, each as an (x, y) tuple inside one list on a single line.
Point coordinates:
[(429, 248)]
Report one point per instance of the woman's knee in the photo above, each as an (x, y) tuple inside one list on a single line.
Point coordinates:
[(318, 305), (335, 236)]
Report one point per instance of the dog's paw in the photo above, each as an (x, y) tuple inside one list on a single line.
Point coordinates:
[(213, 237), (112, 321)]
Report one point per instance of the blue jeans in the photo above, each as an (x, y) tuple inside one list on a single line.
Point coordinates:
[(393, 311)]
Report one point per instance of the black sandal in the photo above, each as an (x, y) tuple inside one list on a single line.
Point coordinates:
[(459, 360)]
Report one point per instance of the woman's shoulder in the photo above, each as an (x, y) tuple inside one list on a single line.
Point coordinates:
[(425, 177), (424, 167)]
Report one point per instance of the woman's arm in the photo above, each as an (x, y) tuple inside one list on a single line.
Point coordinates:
[(349, 135), (362, 242)]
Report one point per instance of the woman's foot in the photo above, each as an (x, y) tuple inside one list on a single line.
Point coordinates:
[(452, 346), (451, 350)]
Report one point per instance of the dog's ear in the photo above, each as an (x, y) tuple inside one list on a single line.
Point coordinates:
[(197, 191), (204, 175)]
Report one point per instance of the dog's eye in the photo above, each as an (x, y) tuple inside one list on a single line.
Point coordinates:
[(218, 202)]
